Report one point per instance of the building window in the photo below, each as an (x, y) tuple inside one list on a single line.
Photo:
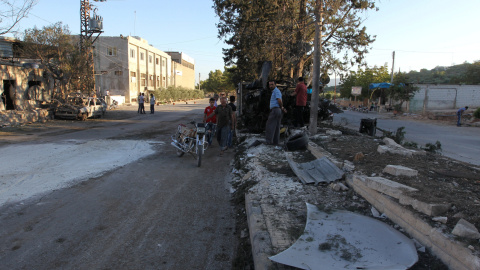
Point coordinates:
[(150, 59), (143, 78), (132, 53), (118, 72), (163, 62), (164, 82), (157, 61), (112, 51), (142, 56), (150, 80), (158, 81), (133, 75)]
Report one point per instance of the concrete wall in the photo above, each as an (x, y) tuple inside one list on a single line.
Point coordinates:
[(183, 70), (17, 78), (444, 97)]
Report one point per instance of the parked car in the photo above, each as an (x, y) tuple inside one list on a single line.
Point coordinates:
[(81, 108)]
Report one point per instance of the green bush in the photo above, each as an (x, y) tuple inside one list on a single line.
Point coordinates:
[(177, 93), (477, 113)]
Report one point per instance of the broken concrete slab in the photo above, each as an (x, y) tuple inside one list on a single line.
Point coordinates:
[(431, 209), (398, 170), (348, 166), (347, 240), (440, 219), (466, 229), (388, 187), (314, 172), (452, 253), (382, 149)]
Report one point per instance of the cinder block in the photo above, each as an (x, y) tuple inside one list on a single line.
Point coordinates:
[(431, 209), (398, 170)]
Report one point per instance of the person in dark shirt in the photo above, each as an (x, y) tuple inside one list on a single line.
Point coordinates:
[(224, 121)]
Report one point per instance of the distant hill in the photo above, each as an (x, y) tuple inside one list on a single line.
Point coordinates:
[(465, 73)]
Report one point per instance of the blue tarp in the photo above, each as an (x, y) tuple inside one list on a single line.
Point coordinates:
[(379, 85)]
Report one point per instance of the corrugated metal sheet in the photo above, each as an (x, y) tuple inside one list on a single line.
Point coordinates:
[(314, 172)]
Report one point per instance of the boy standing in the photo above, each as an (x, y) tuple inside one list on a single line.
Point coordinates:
[(211, 120)]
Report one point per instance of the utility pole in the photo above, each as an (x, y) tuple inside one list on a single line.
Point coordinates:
[(316, 67), (89, 26)]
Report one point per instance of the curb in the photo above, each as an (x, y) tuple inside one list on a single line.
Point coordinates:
[(259, 236)]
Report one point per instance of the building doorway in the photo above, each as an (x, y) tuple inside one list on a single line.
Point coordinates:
[(8, 94)]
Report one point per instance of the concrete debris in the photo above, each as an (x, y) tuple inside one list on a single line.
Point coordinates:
[(421, 249), (319, 152), (244, 234), (338, 187), (472, 248), (247, 176), (375, 212), (387, 186), (392, 147), (346, 240), (314, 172), (334, 133), (398, 170), (321, 137), (348, 166), (440, 219), (466, 229)]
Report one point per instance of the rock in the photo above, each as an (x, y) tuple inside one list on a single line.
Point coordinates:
[(440, 219), (244, 234), (400, 170), (459, 215), (334, 132), (472, 248), (247, 176), (466, 229), (335, 186), (348, 166), (358, 156), (422, 249), (375, 212), (390, 142), (342, 187)]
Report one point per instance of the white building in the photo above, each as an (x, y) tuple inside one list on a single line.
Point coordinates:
[(128, 66)]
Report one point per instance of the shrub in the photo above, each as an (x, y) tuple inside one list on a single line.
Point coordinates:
[(477, 113)]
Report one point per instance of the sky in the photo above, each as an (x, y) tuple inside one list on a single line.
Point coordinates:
[(423, 34)]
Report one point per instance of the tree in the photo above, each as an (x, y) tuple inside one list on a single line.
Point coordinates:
[(56, 50), (283, 31), (11, 13), (218, 81), (363, 78), (401, 91)]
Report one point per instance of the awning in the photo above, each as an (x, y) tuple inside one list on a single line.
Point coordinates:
[(380, 85)]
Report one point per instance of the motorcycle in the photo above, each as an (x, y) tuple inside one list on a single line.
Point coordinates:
[(190, 140)]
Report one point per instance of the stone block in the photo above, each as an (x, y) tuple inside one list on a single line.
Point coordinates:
[(334, 133), (382, 149), (466, 229), (398, 170), (388, 187), (431, 209), (392, 143)]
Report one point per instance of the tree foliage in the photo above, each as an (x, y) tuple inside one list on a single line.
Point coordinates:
[(12, 12), (282, 31), (363, 78), (59, 55), (218, 81), (466, 73)]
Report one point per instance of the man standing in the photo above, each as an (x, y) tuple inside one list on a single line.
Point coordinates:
[(301, 102), (234, 126), (224, 118), (152, 104), (272, 130), (459, 115), (141, 103)]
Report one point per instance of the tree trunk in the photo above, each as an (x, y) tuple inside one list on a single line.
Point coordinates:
[(316, 67)]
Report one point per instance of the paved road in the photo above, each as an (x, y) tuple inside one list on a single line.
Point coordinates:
[(460, 143), (161, 212)]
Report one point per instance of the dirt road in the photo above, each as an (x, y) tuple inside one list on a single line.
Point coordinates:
[(158, 212)]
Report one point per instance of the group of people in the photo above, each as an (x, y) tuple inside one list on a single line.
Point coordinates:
[(221, 120), (141, 104)]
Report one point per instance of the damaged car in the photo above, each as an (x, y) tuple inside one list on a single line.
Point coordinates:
[(81, 108)]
